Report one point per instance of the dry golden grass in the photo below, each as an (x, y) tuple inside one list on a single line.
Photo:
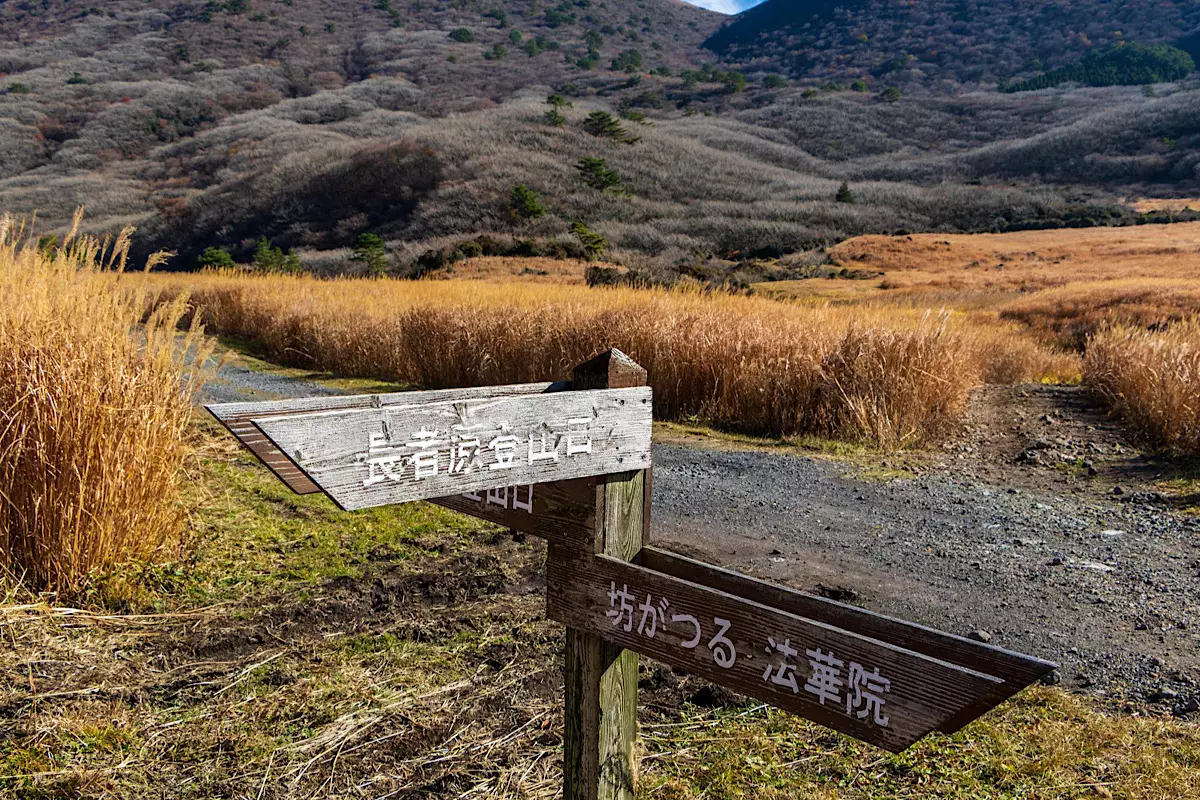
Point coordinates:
[(894, 377), (1059, 285), (1144, 205), (1068, 315), (1027, 260), (92, 413), (522, 270), (1152, 379)]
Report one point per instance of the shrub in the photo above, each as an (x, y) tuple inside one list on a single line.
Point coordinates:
[(48, 245), (525, 203), (603, 276), (497, 53), (94, 409), (1122, 64), (596, 173), (214, 258), (272, 259), (890, 95), (859, 86), (774, 82), (371, 253), (733, 81), (19, 88), (844, 195), (628, 61), (555, 117), (604, 125), (593, 243), (463, 35)]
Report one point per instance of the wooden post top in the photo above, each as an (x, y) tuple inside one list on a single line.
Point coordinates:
[(611, 369)]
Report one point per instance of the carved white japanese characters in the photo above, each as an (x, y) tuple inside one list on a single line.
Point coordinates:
[(397, 454), (823, 675), (868, 688)]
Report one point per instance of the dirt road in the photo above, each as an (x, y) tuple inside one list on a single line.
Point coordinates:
[(1034, 529)]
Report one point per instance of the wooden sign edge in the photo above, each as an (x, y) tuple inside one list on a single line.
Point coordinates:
[(398, 407), (557, 552), (358, 402), (656, 558)]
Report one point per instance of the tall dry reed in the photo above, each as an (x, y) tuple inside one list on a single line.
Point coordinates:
[(892, 377), (93, 412), (1152, 380)]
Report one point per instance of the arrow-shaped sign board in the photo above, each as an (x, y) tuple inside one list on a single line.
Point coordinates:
[(1015, 670), (561, 511), (864, 687), (236, 417), (397, 454)]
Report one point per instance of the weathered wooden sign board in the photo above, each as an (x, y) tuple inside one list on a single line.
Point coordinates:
[(397, 454), (570, 462)]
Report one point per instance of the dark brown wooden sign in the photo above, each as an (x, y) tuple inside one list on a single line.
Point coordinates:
[(1015, 670), (870, 689), (401, 453)]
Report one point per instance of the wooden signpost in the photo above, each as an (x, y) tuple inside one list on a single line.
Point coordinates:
[(570, 462)]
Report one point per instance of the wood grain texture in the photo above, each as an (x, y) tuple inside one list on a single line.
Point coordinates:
[(600, 713), (369, 457), (1016, 671), (564, 511), (922, 695), (236, 418)]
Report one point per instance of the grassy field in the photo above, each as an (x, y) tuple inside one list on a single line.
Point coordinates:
[(883, 350), (290, 650), (302, 652), (892, 376)]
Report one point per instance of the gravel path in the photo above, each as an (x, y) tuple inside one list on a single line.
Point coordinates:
[(989, 541)]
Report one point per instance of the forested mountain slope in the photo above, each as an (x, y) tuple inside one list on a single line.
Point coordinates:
[(941, 44), (311, 122)]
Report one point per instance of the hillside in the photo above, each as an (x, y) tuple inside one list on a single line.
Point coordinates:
[(940, 44), (310, 122)]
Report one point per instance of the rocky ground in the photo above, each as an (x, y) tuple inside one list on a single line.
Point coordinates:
[(1038, 528)]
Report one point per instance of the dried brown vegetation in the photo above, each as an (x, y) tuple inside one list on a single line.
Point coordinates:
[(401, 651), (1127, 298), (93, 413), (1152, 379), (894, 377), (270, 122)]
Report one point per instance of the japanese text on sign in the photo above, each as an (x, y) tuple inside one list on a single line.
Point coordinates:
[(463, 449), (518, 498), (855, 688)]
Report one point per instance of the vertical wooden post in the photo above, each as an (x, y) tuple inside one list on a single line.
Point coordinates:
[(600, 724)]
